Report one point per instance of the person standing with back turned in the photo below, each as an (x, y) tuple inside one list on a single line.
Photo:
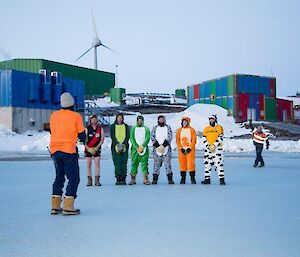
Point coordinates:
[(66, 127)]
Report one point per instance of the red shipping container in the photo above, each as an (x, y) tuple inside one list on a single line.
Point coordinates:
[(284, 109), (243, 105), (262, 107), (196, 92)]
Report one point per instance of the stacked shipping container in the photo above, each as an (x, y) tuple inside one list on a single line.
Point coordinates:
[(244, 96), (96, 82), (28, 99), (31, 90)]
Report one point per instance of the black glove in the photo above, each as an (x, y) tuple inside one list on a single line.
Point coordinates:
[(183, 151), (156, 144), (188, 150), (165, 143)]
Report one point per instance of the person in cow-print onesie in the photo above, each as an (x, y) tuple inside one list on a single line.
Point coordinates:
[(213, 153), (161, 137)]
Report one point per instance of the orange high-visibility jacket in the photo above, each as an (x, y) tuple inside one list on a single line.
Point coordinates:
[(65, 125), (259, 137)]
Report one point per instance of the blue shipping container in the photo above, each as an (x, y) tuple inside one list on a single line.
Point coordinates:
[(207, 90), (257, 107), (241, 83), (224, 85), (251, 80), (218, 88), (267, 87), (207, 100), (202, 91), (46, 92), (190, 95), (256, 83), (5, 89), (251, 101), (260, 86), (24, 89), (219, 101), (230, 103)]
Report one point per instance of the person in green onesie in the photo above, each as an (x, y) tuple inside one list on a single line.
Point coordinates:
[(139, 138), (119, 133)]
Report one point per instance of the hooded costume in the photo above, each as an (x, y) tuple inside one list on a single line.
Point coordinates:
[(186, 140), (161, 137), (213, 153), (139, 138), (120, 135)]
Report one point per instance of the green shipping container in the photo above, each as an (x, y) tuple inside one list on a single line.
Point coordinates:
[(212, 91), (96, 82), (180, 93), (202, 101), (270, 109), (224, 102), (231, 86), (116, 95)]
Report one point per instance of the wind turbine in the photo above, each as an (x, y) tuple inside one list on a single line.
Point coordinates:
[(96, 43)]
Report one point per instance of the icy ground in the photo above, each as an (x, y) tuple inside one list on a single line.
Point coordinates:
[(256, 214)]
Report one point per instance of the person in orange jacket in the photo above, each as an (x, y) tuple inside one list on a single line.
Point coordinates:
[(259, 139), (186, 140), (66, 127)]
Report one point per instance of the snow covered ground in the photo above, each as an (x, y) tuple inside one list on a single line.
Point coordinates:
[(256, 214), (36, 143)]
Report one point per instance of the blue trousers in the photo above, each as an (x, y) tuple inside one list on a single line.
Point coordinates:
[(66, 165), (259, 149)]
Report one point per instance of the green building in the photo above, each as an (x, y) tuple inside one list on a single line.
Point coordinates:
[(96, 82)]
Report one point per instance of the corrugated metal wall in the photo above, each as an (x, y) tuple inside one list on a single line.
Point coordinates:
[(96, 82), (284, 109), (243, 95), (27, 90)]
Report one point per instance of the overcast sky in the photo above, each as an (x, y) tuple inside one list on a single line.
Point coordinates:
[(166, 44)]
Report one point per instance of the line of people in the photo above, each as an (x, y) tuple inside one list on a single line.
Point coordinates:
[(66, 127), (161, 136)]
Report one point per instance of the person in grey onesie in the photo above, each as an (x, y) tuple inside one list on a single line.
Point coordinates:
[(161, 137)]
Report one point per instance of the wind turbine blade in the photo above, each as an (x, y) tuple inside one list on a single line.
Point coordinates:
[(111, 50), (94, 24), (83, 54)]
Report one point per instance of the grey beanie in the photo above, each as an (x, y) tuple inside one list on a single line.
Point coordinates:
[(66, 100)]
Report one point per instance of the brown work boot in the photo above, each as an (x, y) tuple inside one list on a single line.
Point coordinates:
[(90, 181), (56, 200), (69, 206), (97, 181), (132, 181), (146, 180)]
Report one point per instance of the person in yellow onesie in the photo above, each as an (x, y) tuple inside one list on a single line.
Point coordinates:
[(213, 153), (186, 139)]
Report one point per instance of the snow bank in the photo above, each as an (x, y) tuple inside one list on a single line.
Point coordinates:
[(199, 119), (37, 142)]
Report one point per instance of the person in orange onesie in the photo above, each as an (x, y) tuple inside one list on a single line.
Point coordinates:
[(186, 140)]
